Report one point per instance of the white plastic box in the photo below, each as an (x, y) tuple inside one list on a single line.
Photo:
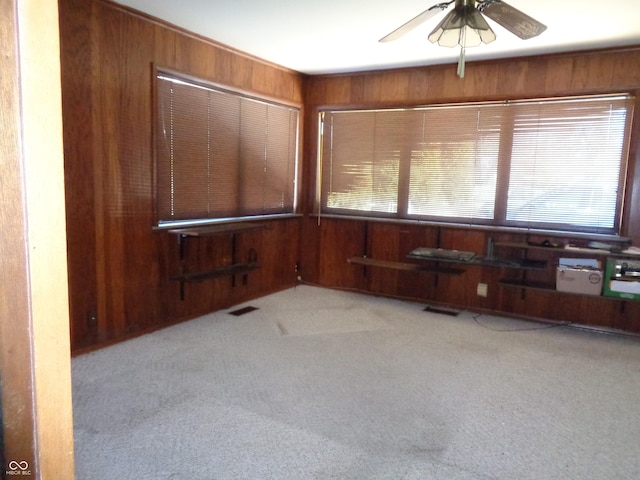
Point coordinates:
[(584, 280)]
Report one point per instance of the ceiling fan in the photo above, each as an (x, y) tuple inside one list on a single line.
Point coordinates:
[(466, 26)]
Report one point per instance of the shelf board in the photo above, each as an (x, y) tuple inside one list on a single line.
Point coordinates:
[(236, 269), (496, 262), (547, 287), (519, 264), (517, 283), (569, 251), (371, 262), (218, 229)]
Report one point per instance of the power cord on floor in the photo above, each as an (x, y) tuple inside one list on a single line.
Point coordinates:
[(476, 318)]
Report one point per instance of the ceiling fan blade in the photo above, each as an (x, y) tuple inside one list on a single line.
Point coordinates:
[(512, 19), (415, 21)]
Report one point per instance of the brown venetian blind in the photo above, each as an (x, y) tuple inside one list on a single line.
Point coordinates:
[(568, 162), (549, 163), (428, 162), (220, 154), (362, 164), (454, 166)]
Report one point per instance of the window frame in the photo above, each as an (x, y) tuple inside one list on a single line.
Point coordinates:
[(160, 223), (501, 192)]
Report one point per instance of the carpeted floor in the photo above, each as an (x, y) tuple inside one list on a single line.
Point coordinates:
[(323, 384)]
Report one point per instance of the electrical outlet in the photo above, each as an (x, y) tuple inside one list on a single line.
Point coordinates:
[(482, 290)]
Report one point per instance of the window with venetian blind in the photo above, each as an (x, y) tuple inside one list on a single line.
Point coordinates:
[(544, 164), (221, 154)]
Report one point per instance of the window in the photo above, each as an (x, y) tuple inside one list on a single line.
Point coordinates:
[(548, 164), (221, 154)]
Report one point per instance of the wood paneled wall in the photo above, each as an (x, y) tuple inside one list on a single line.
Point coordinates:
[(119, 267), (331, 241)]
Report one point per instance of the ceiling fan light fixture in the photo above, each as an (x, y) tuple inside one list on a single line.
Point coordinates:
[(467, 27), (464, 26)]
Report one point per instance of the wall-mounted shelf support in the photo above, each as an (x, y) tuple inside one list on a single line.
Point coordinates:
[(230, 229)]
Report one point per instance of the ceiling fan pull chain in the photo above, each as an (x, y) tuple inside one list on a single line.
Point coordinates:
[(463, 44), (461, 63)]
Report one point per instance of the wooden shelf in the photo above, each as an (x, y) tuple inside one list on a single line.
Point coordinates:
[(496, 262), (370, 262), (218, 229), (236, 269), (229, 229), (546, 287), (569, 251), (519, 264), (524, 283), (517, 283)]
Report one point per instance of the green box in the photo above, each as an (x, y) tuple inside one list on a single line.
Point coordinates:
[(615, 286)]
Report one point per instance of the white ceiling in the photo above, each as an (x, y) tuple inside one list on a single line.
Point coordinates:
[(334, 36)]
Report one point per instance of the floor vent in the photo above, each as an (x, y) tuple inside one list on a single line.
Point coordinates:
[(443, 310), (242, 311)]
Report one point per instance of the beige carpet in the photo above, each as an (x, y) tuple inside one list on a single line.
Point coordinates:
[(322, 384)]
